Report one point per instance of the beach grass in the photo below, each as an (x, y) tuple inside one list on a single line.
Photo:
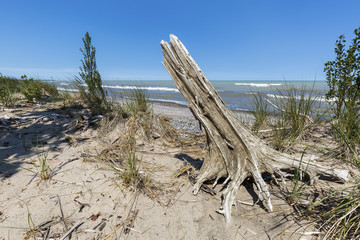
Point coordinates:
[(138, 102), (43, 169), (294, 111), (338, 214), (298, 181), (260, 112)]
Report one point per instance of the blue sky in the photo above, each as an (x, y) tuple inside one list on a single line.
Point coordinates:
[(231, 40)]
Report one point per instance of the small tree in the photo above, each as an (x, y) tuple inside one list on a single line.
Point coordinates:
[(343, 78), (95, 96), (343, 74)]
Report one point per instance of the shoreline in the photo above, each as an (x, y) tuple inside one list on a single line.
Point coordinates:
[(181, 112), (238, 95)]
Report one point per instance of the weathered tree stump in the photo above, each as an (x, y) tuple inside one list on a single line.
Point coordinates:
[(234, 152)]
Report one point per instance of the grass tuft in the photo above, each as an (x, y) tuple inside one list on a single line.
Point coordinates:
[(131, 175), (298, 183), (260, 112), (338, 212), (138, 103), (295, 109), (43, 169)]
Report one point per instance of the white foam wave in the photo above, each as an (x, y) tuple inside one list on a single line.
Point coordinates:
[(67, 89), (258, 84), (242, 109), (167, 100), (315, 98), (164, 89), (64, 84)]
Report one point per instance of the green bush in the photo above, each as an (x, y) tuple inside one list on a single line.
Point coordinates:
[(7, 82), (338, 212), (343, 78), (31, 89), (49, 89)]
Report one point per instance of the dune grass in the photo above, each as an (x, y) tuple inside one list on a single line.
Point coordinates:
[(293, 110), (298, 182), (43, 169), (260, 112), (338, 212), (137, 102)]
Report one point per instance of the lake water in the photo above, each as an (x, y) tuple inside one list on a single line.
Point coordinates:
[(238, 95)]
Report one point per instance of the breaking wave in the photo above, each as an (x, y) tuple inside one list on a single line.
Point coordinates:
[(67, 89), (315, 98), (167, 100), (163, 89), (258, 84)]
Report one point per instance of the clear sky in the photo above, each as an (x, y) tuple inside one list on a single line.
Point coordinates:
[(230, 40)]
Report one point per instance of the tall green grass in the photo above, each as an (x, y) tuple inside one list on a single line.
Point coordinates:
[(43, 169), (298, 183), (260, 111), (8, 86), (346, 126), (296, 110), (342, 219), (338, 213), (138, 102), (297, 106), (131, 175)]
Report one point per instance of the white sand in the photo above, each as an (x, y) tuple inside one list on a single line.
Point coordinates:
[(176, 214)]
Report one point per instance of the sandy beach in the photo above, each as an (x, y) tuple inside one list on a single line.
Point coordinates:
[(87, 193), (192, 120)]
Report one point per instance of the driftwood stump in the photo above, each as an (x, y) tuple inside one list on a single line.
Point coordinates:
[(234, 152)]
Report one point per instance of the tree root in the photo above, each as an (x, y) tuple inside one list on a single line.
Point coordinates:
[(234, 152)]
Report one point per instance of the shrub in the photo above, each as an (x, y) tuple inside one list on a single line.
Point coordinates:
[(49, 89), (343, 78), (31, 89)]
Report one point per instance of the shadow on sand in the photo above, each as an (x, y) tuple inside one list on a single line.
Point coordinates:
[(30, 132)]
